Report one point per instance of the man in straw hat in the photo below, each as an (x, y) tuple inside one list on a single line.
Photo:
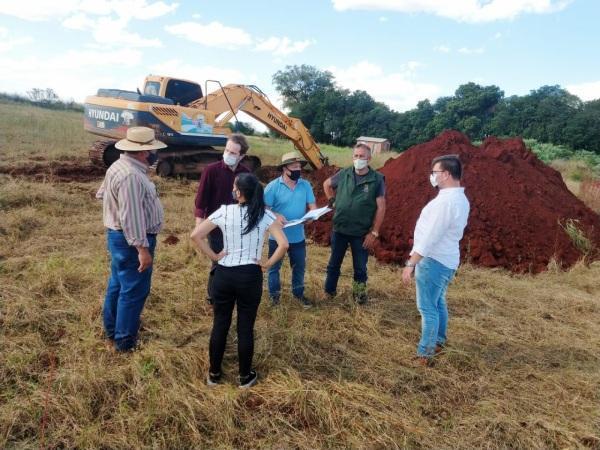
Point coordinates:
[(289, 197), (133, 215)]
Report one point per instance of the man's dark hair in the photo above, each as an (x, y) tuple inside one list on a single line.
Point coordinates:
[(240, 139), (451, 164), (364, 146)]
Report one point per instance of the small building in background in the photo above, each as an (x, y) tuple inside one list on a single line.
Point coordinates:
[(377, 145)]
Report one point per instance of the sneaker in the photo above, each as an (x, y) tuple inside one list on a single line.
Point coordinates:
[(306, 304), (249, 380), (213, 379), (274, 301)]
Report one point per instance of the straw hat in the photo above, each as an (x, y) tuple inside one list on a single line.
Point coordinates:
[(290, 158), (139, 139)]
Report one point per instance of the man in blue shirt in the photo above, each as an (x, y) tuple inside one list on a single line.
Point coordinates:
[(290, 197)]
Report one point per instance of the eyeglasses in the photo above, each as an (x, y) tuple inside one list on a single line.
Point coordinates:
[(437, 171)]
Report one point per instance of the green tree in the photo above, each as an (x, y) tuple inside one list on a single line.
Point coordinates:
[(297, 84)]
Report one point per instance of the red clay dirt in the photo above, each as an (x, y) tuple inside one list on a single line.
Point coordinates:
[(518, 204)]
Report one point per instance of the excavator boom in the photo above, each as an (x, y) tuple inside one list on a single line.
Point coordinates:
[(232, 98)]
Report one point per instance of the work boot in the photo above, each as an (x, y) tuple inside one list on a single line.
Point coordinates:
[(306, 304)]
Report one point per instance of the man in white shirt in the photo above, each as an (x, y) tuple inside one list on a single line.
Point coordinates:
[(435, 255)]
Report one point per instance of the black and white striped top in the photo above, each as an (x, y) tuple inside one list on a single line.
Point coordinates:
[(241, 248)]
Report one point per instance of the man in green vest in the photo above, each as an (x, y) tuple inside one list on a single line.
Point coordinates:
[(358, 195)]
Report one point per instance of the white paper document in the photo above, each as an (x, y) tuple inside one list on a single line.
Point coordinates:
[(311, 215)]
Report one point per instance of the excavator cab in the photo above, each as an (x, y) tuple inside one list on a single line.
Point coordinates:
[(181, 92)]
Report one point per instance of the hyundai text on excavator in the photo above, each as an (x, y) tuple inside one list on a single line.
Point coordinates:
[(191, 123)]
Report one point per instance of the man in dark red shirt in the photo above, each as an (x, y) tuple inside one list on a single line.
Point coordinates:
[(215, 189)]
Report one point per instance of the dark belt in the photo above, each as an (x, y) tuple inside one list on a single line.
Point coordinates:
[(120, 231)]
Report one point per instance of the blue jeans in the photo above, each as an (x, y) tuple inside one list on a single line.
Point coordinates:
[(297, 254), (360, 256), (432, 279), (126, 292)]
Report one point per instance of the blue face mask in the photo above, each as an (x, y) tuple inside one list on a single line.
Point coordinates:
[(152, 158)]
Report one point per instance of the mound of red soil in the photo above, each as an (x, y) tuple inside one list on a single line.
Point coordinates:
[(518, 204), (267, 173)]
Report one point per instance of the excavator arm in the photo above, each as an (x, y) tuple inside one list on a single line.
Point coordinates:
[(232, 98)]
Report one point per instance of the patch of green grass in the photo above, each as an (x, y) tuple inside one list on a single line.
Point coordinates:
[(272, 149), (550, 152)]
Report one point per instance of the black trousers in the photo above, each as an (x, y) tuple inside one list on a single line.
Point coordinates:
[(215, 242), (241, 286)]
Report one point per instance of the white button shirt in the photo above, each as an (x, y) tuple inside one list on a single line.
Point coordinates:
[(441, 225), (241, 248)]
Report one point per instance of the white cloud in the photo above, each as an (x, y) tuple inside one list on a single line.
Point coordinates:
[(460, 10), (399, 90), (471, 51), (442, 49), (585, 91), (109, 32), (282, 46), (74, 74), (107, 20), (40, 10), (78, 21), (7, 42), (214, 34), (197, 73)]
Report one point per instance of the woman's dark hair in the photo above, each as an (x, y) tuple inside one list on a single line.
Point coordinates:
[(252, 190)]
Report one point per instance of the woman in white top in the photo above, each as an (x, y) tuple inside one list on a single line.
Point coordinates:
[(238, 277)]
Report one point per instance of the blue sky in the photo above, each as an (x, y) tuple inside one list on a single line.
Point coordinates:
[(400, 51)]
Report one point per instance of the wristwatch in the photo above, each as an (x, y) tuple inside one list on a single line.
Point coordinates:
[(409, 264), (375, 233)]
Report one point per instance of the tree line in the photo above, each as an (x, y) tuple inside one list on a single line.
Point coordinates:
[(338, 116)]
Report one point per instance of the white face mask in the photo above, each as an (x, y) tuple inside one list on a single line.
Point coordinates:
[(229, 159), (360, 164), (433, 179)]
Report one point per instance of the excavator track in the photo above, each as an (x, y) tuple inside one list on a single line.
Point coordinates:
[(103, 153)]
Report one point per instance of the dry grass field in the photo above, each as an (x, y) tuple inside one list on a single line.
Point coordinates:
[(522, 369)]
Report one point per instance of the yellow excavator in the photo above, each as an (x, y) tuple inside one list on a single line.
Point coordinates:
[(190, 123)]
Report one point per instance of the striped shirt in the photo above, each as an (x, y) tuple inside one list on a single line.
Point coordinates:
[(130, 201), (241, 248)]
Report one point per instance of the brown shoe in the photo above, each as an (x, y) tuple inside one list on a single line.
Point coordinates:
[(439, 349), (424, 361)]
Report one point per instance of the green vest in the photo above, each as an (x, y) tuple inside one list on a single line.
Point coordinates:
[(355, 205)]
